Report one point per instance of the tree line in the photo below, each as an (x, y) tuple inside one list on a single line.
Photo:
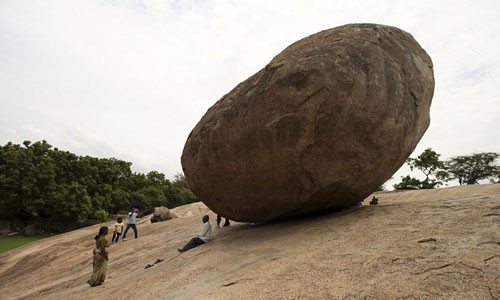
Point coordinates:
[(58, 190), (466, 169)]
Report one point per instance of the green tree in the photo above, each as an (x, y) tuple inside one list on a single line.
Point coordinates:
[(178, 192), (408, 183), (470, 169), (10, 182), (428, 163), (38, 184), (71, 203), (59, 190), (147, 198)]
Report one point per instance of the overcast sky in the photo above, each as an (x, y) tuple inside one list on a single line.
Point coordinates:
[(130, 79)]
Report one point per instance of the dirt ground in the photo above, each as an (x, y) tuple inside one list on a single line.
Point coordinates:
[(429, 244)]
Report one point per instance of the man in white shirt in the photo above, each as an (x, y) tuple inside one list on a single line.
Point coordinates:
[(202, 238), (131, 223)]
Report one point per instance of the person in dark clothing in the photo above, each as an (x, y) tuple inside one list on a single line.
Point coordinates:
[(219, 219), (374, 201)]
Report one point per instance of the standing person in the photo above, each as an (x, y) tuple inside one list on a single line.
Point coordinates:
[(202, 238), (219, 219), (100, 260), (118, 230), (131, 223)]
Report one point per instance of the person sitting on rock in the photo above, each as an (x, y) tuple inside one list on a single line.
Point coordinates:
[(374, 201), (202, 238), (219, 219)]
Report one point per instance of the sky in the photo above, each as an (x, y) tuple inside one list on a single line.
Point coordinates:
[(130, 79)]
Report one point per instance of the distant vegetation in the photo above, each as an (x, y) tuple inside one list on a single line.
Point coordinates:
[(11, 242), (57, 190), (466, 169)]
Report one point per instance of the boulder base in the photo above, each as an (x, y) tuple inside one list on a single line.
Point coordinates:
[(322, 126)]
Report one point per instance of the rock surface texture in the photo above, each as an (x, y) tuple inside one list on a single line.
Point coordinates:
[(324, 124), (419, 245)]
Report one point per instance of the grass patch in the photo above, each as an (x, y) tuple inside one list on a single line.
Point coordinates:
[(11, 242)]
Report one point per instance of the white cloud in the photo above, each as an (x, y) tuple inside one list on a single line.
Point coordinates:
[(130, 79)]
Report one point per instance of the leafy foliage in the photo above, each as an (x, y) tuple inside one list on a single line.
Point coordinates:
[(470, 169), (467, 169), (428, 163), (408, 183), (38, 182)]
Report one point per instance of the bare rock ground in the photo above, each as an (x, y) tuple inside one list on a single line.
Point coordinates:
[(429, 244)]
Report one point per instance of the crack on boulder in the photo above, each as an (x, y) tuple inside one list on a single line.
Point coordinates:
[(417, 100), (235, 282), (488, 242), (472, 267), (231, 283), (321, 89), (491, 293), (491, 257), (433, 269), (441, 274), (397, 62), (310, 177), (278, 119), (492, 214), (426, 240)]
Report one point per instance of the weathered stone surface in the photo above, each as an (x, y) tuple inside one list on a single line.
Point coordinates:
[(325, 123), (161, 214), (389, 250)]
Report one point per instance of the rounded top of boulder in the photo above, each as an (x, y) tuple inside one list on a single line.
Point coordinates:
[(323, 125)]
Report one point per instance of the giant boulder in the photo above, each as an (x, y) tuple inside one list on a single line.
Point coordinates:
[(322, 126)]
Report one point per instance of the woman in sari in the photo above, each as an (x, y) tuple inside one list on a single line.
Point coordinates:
[(100, 258)]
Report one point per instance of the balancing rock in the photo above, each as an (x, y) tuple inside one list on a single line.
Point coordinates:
[(322, 126)]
